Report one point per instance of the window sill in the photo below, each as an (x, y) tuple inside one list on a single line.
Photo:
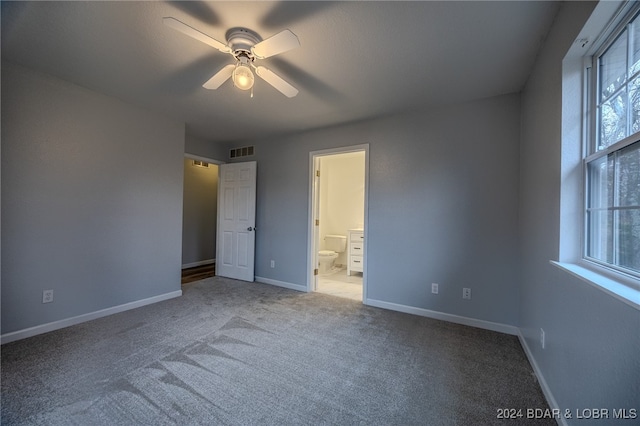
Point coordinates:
[(616, 288)]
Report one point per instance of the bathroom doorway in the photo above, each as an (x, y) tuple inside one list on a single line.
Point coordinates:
[(337, 225)]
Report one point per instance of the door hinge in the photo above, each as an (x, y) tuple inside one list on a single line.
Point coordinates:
[(315, 272), (317, 173), (317, 222)]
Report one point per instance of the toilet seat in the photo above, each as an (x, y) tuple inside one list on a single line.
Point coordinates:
[(326, 252)]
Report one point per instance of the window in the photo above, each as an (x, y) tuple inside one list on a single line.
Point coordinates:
[(612, 157)]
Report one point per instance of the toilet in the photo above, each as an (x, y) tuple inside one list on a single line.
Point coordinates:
[(334, 245)]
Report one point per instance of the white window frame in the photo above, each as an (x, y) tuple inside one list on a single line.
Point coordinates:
[(592, 136), (575, 133)]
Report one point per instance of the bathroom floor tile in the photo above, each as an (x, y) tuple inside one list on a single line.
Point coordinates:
[(340, 284)]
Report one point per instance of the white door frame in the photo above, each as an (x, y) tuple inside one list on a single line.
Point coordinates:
[(314, 194)]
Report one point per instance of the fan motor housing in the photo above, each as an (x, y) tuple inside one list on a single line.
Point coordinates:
[(241, 40)]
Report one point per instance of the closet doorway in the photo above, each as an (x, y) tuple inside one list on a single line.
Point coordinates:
[(338, 221), (199, 217)]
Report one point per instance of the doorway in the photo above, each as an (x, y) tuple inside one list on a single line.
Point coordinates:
[(338, 221), (200, 204)]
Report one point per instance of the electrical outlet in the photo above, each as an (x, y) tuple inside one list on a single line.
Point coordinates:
[(273, 263), (47, 296), (466, 293), (542, 338), (434, 288)]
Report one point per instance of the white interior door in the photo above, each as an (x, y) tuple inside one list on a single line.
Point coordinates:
[(236, 221)]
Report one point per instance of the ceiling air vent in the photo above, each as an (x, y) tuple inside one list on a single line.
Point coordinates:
[(199, 163), (245, 151)]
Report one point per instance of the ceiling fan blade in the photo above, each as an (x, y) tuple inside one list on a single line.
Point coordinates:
[(276, 81), (279, 43), (193, 33), (219, 78)]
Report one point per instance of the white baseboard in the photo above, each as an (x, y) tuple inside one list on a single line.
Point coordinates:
[(290, 286), (487, 325), (541, 380), (199, 263), (56, 325)]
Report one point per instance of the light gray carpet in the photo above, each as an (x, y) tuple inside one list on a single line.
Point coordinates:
[(236, 353)]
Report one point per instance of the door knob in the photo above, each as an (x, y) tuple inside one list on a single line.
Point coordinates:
[(251, 229)]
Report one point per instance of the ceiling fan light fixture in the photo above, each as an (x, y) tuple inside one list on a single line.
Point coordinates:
[(242, 76), (245, 46)]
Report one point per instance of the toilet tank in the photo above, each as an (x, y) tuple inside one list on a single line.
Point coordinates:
[(337, 243)]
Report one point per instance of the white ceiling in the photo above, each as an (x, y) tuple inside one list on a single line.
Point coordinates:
[(356, 60)]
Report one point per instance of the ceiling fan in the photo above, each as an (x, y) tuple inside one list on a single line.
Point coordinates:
[(245, 46)]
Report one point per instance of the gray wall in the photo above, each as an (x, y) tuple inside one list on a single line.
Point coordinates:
[(91, 200), (592, 339), (443, 199), (201, 147), (199, 214)]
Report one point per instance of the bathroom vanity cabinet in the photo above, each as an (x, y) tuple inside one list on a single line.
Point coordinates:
[(355, 254)]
